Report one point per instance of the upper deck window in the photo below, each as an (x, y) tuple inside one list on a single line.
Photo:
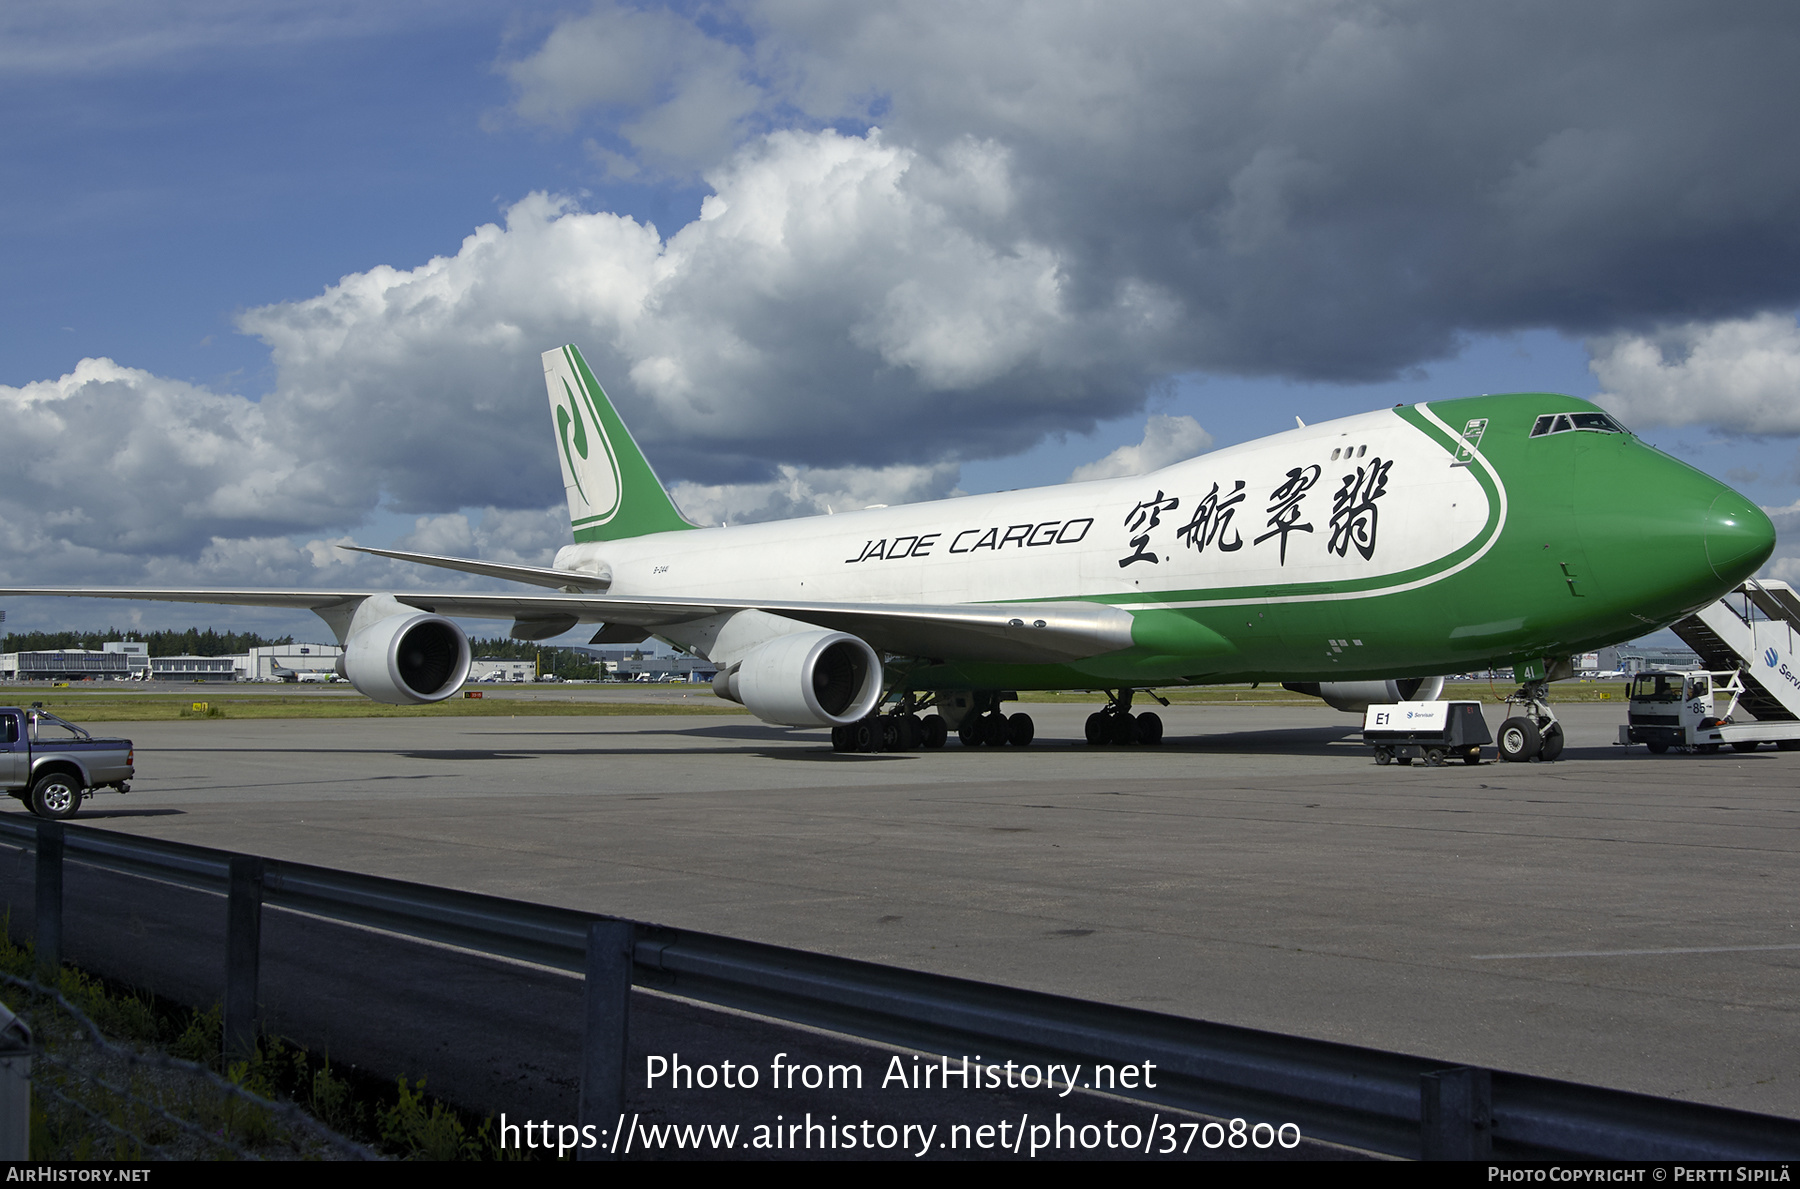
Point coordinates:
[(1551, 423)]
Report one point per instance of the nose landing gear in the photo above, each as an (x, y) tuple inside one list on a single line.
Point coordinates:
[(1534, 734)]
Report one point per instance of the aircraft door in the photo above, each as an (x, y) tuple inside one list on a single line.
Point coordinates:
[(14, 752)]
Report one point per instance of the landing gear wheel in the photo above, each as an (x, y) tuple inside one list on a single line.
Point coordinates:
[(1657, 749), (1552, 748), (840, 738), (1020, 730), (909, 731), (934, 730), (970, 732), (1124, 730), (1149, 728), (1097, 733), (993, 729), (865, 735), (55, 796), (1519, 740), (1744, 745)]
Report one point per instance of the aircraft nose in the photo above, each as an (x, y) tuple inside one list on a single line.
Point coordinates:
[(1739, 537)]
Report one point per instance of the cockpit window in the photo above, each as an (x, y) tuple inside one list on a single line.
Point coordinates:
[(1551, 423)]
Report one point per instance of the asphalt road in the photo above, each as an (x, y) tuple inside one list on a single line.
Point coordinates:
[(1614, 918)]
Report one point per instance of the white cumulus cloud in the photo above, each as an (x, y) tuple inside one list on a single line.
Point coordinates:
[(1740, 375), (115, 460), (809, 492), (833, 306), (1167, 440)]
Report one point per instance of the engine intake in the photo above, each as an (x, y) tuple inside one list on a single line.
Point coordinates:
[(1357, 696), (409, 658), (807, 679)]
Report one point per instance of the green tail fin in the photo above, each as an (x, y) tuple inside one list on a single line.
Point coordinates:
[(612, 491)]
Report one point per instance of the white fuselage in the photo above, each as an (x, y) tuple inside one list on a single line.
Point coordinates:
[(1114, 537)]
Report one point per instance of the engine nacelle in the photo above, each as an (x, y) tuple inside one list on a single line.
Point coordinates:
[(807, 679), (416, 657), (1357, 696)]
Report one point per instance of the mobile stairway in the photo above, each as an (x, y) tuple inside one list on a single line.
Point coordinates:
[(1748, 643)]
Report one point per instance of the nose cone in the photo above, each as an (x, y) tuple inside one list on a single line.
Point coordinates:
[(1661, 537), (1739, 537)]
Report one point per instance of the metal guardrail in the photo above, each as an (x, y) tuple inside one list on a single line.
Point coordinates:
[(1346, 1094)]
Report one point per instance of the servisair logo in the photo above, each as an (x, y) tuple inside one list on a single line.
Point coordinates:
[(1771, 657), (590, 471)]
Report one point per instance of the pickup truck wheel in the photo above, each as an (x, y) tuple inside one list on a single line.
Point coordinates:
[(56, 796)]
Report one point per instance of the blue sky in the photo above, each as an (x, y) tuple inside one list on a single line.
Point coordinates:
[(1268, 215)]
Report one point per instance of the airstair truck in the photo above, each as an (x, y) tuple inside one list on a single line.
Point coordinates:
[(1749, 642)]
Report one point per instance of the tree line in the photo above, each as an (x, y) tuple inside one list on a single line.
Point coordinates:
[(564, 662), (192, 642)]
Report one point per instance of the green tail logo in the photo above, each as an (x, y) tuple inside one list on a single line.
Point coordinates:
[(612, 491)]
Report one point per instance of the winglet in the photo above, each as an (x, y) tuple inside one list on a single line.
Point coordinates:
[(612, 491)]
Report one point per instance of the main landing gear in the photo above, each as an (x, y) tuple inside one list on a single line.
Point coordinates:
[(979, 723), (985, 724), (1533, 734), (1118, 725), (891, 732)]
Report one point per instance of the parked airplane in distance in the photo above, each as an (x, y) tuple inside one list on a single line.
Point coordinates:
[(1353, 560)]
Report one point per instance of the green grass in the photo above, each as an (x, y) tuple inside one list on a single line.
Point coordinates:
[(394, 1116), (85, 708)]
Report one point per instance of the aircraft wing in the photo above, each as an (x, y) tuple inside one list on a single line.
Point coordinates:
[(1025, 633), (531, 575)]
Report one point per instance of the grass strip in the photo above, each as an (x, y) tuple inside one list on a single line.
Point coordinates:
[(85, 708)]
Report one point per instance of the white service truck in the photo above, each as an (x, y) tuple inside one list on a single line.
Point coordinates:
[(1679, 709)]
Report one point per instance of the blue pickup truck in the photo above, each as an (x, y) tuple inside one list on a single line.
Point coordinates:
[(50, 764)]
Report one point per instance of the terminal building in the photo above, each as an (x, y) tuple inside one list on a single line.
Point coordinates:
[(119, 661), (639, 664), (131, 661), (289, 662), (491, 668)]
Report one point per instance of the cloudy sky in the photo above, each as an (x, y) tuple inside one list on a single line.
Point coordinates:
[(276, 275)]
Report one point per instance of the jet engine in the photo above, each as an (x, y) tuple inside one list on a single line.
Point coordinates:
[(415, 657), (1357, 696), (806, 679)]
